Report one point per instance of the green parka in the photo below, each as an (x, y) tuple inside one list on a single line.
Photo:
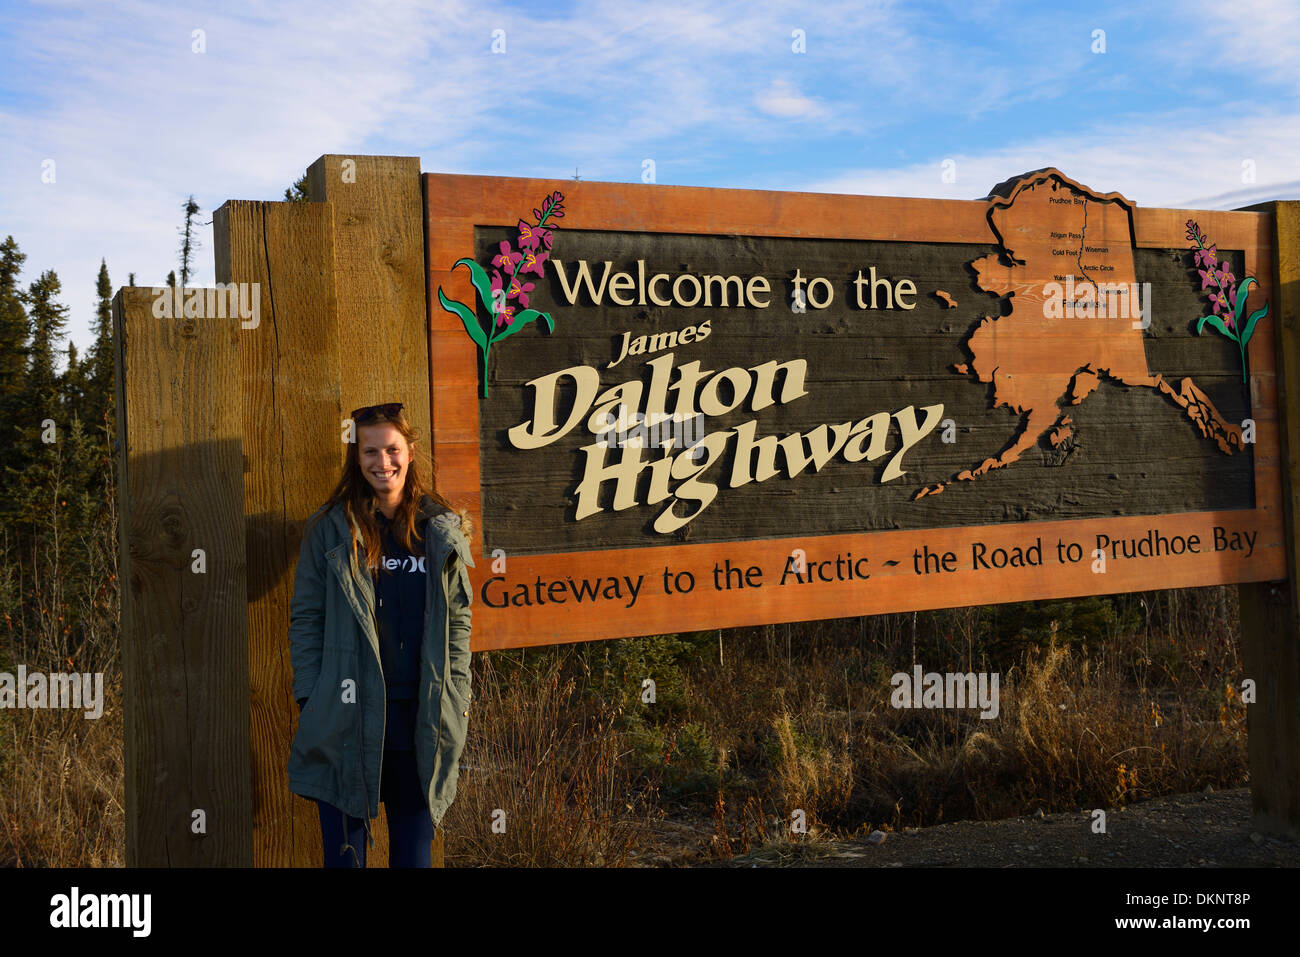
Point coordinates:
[(334, 651)]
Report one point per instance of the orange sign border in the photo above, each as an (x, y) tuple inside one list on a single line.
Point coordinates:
[(455, 204)]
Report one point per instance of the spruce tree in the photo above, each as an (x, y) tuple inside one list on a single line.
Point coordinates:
[(298, 192), (72, 386), (35, 472), (13, 364), (97, 413), (47, 318), (189, 240)]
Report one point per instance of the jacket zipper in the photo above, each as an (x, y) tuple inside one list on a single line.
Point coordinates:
[(370, 838), (354, 573), (446, 666), (383, 737)]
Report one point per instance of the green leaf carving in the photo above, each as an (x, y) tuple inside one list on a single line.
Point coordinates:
[(478, 275), (1216, 323), (522, 319), (1243, 292), (467, 316), (1255, 316)]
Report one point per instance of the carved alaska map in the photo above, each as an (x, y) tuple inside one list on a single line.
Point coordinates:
[(1076, 317)]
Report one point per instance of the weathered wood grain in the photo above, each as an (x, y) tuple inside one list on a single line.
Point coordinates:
[(1270, 611), (380, 278), (184, 634), (289, 365)]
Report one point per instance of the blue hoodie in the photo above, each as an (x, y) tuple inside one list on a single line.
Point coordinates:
[(399, 615)]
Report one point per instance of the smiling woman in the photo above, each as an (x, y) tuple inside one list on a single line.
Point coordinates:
[(379, 643), (383, 453)]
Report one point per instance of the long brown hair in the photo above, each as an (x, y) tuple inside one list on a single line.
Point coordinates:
[(358, 498)]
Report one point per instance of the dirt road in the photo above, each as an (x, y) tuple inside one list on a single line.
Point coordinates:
[(1190, 830)]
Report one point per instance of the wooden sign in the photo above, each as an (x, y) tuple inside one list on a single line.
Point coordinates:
[(672, 408)]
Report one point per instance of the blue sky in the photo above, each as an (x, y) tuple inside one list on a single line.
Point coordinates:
[(1189, 105)]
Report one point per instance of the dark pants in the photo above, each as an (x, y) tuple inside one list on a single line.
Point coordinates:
[(409, 828)]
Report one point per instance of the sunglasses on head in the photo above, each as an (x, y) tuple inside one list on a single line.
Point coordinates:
[(367, 412)]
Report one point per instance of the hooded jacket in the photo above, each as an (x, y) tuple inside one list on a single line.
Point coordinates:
[(337, 751)]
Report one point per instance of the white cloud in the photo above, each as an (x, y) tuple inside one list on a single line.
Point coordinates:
[(1262, 36), (1152, 164), (1249, 196), (782, 99), (136, 120)]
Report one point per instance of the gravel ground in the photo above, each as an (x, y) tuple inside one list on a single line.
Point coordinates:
[(1212, 829)]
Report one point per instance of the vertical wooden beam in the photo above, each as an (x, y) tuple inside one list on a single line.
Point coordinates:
[(379, 255), (289, 373), (380, 273), (184, 645), (1270, 611)]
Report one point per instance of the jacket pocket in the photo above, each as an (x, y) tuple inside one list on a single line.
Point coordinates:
[(327, 723), (462, 694), (455, 731)]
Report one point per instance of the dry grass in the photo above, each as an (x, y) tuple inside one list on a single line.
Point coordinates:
[(542, 781), (61, 774), (1147, 713), (789, 740), (62, 800)]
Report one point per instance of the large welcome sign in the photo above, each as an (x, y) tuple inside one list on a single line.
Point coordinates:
[(672, 408)]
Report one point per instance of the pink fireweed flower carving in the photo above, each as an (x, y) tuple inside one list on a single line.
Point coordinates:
[(519, 290), (504, 294), (507, 258), (533, 263), (504, 311), (1227, 298), (529, 237), (533, 240)]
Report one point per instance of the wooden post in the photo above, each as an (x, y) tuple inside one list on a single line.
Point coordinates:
[(342, 323), (189, 799), (379, 254), (1270, 611), (291, 423), (379, 280)]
